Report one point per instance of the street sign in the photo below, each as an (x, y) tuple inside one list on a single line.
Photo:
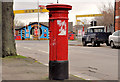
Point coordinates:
[(42, 6), (30, 11), (79, 32), (117, 17)]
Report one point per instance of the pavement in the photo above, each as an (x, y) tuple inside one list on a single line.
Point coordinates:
[(25, 69)]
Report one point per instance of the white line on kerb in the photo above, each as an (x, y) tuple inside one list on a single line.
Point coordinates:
[(46, 64), (43, 51), (81, 77)]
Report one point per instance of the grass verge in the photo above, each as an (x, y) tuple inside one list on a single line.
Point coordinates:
[(18, 56)]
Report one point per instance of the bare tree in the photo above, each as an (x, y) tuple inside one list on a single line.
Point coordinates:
[(8, 41), (18, 23), (108, 15), (83, 21)]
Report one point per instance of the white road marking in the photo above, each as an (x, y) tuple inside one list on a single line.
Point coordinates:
[(27, 48), (91, 47), (72, 46), (43, 51)]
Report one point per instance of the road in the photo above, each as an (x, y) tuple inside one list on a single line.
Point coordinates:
[(91, 63)]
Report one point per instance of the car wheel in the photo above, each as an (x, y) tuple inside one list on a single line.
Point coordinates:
[(84, 43), (93, 43), (98, 44), (112, 44), (107, 43)]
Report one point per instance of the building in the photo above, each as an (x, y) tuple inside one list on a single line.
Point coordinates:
[(117, 15), (70, 25), (31, 31), (78, 29)]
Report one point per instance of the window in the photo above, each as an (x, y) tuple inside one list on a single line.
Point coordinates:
[(118, 33), (90, 30), (115, 33), (99, 30)]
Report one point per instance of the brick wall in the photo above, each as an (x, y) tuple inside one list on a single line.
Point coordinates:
[(117, 15)]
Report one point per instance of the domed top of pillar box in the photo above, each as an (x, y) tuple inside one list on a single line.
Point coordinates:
[(59, 7)]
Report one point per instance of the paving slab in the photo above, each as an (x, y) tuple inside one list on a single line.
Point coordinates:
[(25, 69)]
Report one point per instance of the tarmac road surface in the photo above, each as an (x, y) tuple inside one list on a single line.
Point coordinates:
[(91, 63)]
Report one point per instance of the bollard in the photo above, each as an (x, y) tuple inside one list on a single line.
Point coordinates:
[(58, 44)]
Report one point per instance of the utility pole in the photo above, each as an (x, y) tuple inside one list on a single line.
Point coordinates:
[(93, 23), (38, 23)]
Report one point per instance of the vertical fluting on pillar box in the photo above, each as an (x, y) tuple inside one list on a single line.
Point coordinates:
[(58, 44)]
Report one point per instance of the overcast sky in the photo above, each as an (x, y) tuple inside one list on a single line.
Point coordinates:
[(79, 7)]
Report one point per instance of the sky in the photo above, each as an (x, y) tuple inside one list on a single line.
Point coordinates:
[(79, 7)]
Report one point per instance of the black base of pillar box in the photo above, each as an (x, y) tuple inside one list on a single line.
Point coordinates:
[(58, 70)]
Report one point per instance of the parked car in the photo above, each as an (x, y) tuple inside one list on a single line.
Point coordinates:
[(114, 39), (96, 35)]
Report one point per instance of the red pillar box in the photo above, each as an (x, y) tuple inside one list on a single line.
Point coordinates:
[(58, 53), (117, 15)]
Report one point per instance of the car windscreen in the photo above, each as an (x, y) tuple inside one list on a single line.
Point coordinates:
[(117, 33), (98, 30)]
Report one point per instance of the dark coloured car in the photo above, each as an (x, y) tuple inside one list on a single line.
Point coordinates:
[(96, 35)]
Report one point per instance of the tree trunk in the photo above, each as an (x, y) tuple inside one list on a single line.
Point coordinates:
[(0, 29), (8, 41)]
